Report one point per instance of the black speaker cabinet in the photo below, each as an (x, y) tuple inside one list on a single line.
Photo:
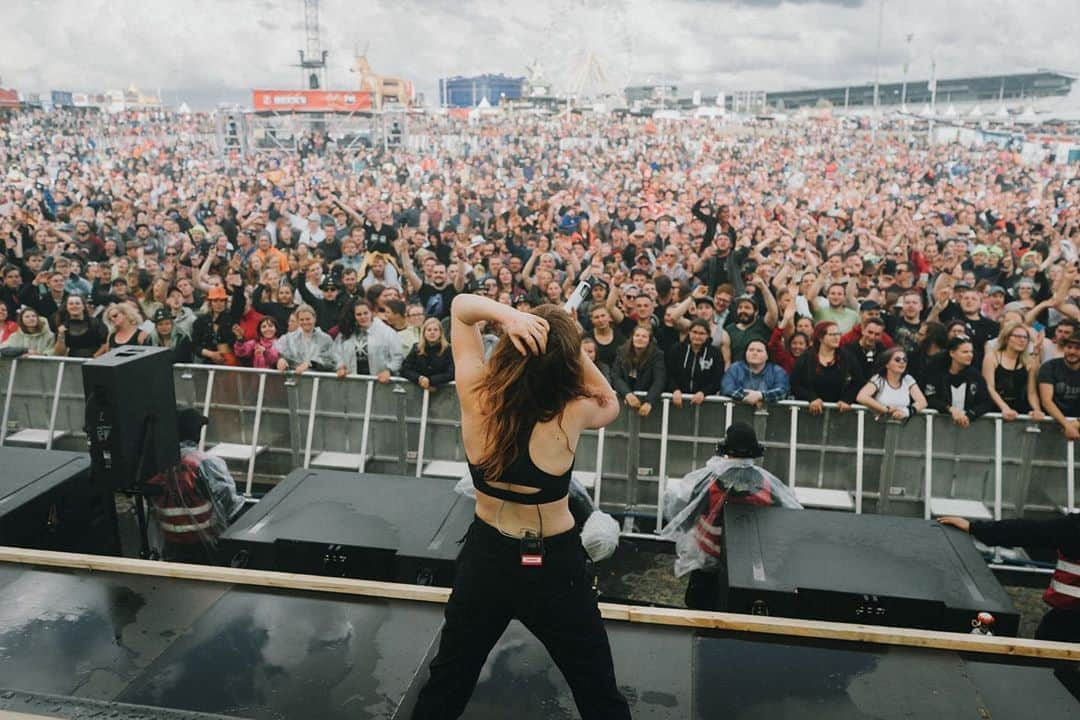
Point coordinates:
[(48, 501), (874, 569), (373, 527), (130, 414)]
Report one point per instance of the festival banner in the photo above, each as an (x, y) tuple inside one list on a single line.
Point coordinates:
[(310, 101), (9, 98)]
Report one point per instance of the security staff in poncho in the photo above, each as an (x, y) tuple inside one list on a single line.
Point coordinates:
[(696, 507), (195, 501)]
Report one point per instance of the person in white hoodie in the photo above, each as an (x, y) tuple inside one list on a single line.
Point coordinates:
[(365, 345)]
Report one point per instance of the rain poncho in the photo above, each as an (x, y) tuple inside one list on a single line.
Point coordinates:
[(316, 349), (694, 506)]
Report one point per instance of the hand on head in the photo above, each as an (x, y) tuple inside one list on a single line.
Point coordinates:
[(528, 332)]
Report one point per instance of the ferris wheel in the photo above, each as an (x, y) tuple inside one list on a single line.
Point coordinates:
[(586, 52)]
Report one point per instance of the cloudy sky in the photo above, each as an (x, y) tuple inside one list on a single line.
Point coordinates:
[(206, 50)]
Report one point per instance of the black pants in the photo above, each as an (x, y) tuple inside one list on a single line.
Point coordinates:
[(706, 590), (555, 602), (1059, 625), (1063, 626)]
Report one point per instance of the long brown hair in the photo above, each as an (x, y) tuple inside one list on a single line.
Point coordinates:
[(421, 346), (518, 391), (632, 357)]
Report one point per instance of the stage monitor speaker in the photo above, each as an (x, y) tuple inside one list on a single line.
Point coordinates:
[(873, 569), (130, 415), (48, 501)]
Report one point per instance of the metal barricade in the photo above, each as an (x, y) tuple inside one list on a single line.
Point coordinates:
[(268, 422)]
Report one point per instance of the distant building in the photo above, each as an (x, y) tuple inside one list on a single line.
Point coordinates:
[(650, 94), (463, 92), (985, 89)]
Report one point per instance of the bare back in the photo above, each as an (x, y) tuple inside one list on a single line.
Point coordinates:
[(551, 445)]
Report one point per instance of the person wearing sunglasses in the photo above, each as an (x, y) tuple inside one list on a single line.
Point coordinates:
[(891, 392)]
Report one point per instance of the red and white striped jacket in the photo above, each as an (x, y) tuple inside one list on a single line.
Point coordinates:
[(1064, 589), (185, 515)]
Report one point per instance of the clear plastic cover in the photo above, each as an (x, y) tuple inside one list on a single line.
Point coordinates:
[(694, 507)]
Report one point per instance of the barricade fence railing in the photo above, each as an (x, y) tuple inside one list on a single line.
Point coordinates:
[(268, 423)]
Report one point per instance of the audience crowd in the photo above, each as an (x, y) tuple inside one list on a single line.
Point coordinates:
[(805, 260)]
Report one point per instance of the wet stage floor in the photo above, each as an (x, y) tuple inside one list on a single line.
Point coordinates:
[(261, 653)]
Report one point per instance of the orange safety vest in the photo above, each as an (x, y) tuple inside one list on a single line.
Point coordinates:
[(185, 516), (1064, 590)]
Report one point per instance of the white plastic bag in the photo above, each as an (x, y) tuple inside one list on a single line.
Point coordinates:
[(600, 536)]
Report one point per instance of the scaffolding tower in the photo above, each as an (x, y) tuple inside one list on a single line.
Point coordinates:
[(313, 61), (232, 133)]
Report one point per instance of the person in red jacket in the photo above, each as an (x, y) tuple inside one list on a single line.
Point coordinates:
[(868, 309)]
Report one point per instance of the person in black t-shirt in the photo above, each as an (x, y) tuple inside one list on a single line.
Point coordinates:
[(904, 326), (862, 356), (608, 338), (980, 328), (437, 294), (379, 237), (1059, 387)]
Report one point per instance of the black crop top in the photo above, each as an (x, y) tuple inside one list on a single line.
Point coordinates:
[(524, 472)]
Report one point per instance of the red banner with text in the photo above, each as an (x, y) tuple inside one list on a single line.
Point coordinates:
[(310, 101)]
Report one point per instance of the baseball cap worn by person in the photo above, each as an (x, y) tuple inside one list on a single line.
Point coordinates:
[(1073, 339), (161, 315), (868, 305), (217, 293), (740, 441), (995, 290)]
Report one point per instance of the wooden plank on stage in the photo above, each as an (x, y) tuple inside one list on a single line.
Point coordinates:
[(791, 627)]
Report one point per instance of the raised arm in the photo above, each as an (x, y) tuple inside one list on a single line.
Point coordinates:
[(602, 406), (680, 310), (527, 271), (357, 217), (851, 294), (528, 332), (770, 302), (410, 272), (612, 304)]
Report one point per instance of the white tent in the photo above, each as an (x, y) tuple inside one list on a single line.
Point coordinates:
[(1028, 116), (976, 112), (667, 115), (708, 111), (950, 111)]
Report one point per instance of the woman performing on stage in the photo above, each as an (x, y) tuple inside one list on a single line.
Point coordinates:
[(521, 416)]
